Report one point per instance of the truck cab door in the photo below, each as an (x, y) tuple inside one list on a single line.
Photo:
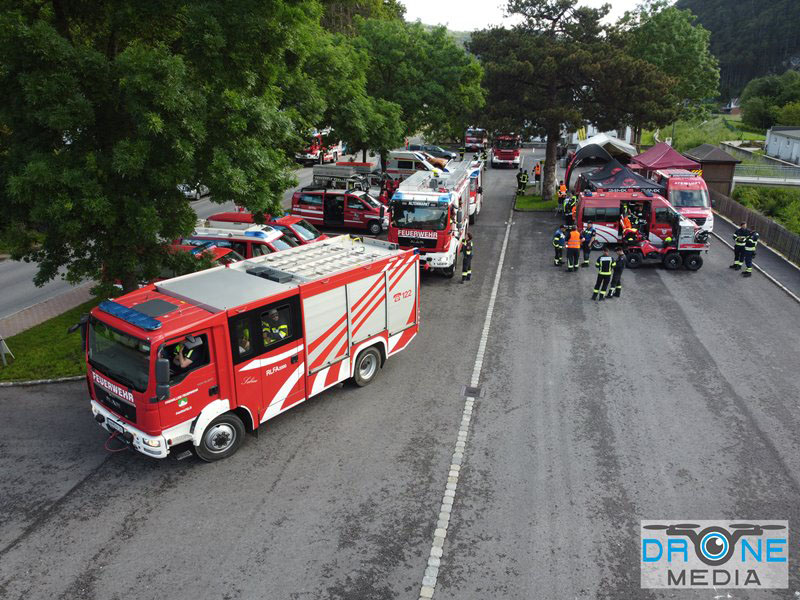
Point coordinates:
[(662, 223), (354, 211), (192, 385)]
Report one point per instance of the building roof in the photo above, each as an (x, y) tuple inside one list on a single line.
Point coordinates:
[(710, 154), (790, 132)]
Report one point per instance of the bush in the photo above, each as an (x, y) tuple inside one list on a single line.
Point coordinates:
[(780, 204)]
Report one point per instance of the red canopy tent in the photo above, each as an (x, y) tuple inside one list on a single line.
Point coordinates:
[(663, 156)]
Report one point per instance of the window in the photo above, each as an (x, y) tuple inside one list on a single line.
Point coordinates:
[(663, 215), (240, 247), (405, 164), (276, 326), (243, 339), (260, 249), (354, 203), (311, 199), (185, 356), (420, 166), (283, 243), (589, 213)]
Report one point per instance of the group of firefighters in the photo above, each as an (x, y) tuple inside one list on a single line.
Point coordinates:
[(609, 267), (523, 178), (745, 243)]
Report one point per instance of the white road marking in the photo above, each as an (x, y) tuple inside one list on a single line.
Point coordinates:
[(440, 534)]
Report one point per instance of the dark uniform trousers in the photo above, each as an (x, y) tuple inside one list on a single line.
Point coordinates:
[(615, 289), (559, 249), (605, 266)]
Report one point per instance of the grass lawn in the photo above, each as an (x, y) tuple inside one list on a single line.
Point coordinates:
[(716, 129), (534, 204), (47, 350)]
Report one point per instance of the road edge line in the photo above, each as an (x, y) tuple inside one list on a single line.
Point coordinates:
[(771, 249), (762, 271), (431, 575)]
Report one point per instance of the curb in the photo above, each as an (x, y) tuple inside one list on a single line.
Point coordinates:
[(7, 384), (762, 271)]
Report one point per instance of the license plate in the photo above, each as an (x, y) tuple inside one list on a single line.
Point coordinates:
[(115, 426)]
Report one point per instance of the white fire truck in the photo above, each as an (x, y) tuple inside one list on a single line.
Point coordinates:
[(429, 211), (201, 359)]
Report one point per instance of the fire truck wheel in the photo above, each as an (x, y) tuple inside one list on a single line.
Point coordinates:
[(633, 260), (449, 271), (222, 437), (367, 365), (693, 262), (374, 228), (597, 245), (672, 260)]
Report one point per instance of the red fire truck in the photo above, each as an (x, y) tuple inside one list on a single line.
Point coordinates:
[(688, 193), (323, 147), (505, 150), (201, 359), (476, 139), (429, 212), (660, 222)]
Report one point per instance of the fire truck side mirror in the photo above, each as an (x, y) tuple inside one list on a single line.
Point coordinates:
[(162, 379), (383, 211)]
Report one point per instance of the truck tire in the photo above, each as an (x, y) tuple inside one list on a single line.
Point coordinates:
[(473, 216), (633, 260), (368, 363), (672, 260), (374, 228), (449, 271), (597, 245), (693, 262), (221, 438)]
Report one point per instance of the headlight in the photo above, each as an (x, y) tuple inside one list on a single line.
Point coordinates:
[(152, 443)]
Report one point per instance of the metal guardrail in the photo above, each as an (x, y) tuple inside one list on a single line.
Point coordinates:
[(780, 172), (772, 234)]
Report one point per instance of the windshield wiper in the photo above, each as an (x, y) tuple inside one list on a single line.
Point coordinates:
[(113, 375)]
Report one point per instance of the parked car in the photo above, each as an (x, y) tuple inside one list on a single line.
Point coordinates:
[(193, 192), (295, 228), (436, 151), (248, 240), (339, 208)]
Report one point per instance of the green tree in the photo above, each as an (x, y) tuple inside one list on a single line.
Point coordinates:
[(789, 114), (340, 15), (106, 106), (671, 40), (763, 97), (424, 72)]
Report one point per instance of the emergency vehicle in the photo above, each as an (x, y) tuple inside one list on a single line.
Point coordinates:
[(429, 212), (245, 238), (322, 148), (401, 164), (260, 336), (505, 150), (298, 230), (353, 209), (475, 190), (660, 222), (688, 193), (476, 139)]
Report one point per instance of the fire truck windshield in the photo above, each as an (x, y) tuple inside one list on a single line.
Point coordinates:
[(120, 356), (688, 198), (419, 217), (506, 144)]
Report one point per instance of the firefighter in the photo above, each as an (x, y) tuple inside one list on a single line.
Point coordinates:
[(588, 237), (569, 204), (182, 357), (522, 182), (466, 265), (605, 267), (749, 253), (562, 189), (537, 171), (272, 329), (739, 239), (483, 155), (573, 249), (559, 239), (461, 152), (615, 288)]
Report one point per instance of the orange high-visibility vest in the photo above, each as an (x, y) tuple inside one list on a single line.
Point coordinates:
[(538, 168), (574, 240), (562, 188), (626, 223), (574, 211)]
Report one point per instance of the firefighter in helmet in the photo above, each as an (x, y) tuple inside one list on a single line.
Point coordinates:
[(559, 239), (605, 267), (466, 264), (749, 253), (272, 329), (739, 239)]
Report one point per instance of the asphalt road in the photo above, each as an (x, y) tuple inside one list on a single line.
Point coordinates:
[(677, 401), (17, 277)]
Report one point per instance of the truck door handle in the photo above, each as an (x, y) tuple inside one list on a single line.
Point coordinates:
[(213, 390), (295, 358)]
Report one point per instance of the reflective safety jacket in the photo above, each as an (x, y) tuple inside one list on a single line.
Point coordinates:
[(537, 169), (750, 244), (574, 240), (467, 248), (524, 178), (562, 188), (740, 236), (559, 238), (605, 265), (588, 234)]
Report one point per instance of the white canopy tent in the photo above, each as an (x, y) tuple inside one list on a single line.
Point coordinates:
[(615, 146)]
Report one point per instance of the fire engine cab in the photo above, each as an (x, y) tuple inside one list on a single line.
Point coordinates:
[(688, 193), (505, 150), (429, 212), (203, 358)]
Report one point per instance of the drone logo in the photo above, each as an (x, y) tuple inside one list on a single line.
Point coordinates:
[(714, 553)]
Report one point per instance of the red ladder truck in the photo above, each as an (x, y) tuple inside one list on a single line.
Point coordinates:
[(198, 360)]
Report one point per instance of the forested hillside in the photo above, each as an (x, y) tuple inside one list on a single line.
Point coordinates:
[(750, 38)]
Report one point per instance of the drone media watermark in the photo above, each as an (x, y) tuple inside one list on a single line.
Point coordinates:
[(715, 554)]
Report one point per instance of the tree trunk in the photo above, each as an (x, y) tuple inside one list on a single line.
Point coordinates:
[(364, 155), (384, 154), (549, 185), (129, 282)]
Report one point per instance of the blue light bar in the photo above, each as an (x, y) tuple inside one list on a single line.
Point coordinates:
[(130, 315), (202, 248), (256, 234), (647, 193)]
